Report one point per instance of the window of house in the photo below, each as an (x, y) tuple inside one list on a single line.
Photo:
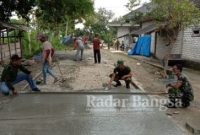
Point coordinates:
[(196, 32)]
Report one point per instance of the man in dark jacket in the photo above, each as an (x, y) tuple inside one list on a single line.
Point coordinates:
[(11, 76), (121, 72)]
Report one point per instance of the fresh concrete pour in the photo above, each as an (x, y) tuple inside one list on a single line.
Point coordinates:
[(74, 114)]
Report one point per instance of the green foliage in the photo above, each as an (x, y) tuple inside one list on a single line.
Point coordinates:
[(132, 3), (135, 17), (99, 24), (31, 46), (21, 7), (108, 37), (178, 14), (56, 14), (78, 32), (57, 45)]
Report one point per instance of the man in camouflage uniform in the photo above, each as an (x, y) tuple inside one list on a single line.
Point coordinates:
[(121, 72), (181, 89)]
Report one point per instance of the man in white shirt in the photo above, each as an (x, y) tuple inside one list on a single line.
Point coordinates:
[(47, 53), (78, 45)]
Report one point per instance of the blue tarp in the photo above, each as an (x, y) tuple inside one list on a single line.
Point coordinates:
[(37, 57), (67, 40), (142, 47)]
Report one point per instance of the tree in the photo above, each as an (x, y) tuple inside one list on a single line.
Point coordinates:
[(59, 14), (99, 24), (20, 7), (135, 16), (177, 15), (132, 4)]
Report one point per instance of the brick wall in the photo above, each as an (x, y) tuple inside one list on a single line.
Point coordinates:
[(185, 44), (191, 46)]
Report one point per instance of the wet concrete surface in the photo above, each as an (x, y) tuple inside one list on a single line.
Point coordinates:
[(74, 114)]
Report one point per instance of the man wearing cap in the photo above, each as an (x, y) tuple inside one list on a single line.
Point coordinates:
[(121, 72), (47, 54), (11, 75)]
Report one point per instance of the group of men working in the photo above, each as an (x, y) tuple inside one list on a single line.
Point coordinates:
[(79, 46), (182, 89), (15, 72)]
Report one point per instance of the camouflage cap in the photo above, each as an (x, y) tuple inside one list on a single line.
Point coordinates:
[(120, 62)]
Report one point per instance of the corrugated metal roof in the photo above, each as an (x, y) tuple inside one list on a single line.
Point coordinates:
[(120, 25), (123, 35), (4, 25)]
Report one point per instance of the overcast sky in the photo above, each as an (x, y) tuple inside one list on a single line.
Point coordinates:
[(117, 6)]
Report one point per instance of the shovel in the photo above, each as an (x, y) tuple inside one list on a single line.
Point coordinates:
[(61, 73)]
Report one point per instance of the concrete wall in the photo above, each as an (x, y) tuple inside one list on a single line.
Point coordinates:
[(122, 31), (191, 46), (186, 44), (162, 48), (153, 42), (145, 24)]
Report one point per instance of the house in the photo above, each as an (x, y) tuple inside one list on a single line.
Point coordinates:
[(10, 40), (125, 27), (186, 46), (123, 32)]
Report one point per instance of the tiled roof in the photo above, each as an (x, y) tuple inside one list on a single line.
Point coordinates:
[(146, 8)]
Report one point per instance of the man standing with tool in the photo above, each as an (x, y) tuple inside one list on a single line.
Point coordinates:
[(47, 53), (78, 45)]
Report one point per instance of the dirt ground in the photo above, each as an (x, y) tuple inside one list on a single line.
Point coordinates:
[(85, 75)]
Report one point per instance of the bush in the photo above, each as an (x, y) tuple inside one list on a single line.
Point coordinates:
[(32, 46)]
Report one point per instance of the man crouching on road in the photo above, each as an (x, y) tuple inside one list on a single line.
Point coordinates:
[(121, 72), (182, 89), (11, 76)]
